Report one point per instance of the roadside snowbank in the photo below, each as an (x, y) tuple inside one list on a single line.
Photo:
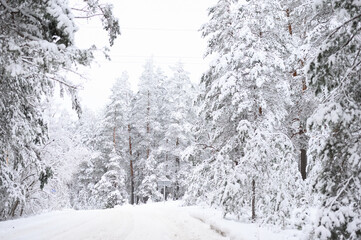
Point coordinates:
[(236, 230)]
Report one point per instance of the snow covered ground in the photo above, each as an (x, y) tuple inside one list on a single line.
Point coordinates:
[(156, 221), (235, 230)]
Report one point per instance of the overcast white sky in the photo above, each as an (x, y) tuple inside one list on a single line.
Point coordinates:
[(164, 29)]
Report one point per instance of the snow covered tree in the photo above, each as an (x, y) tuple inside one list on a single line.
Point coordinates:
[(179, 118), (148, 189), (220, 31), (121, 100), (109, 166), (83, 183), (63, 151), (110, 190), (146, 127), (146, 107), (36, 43), (122, 97), (244, 103), (296, 53), (117, 113), (335, 148), (86, 175)]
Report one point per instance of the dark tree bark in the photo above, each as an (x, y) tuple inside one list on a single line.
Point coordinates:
[(148, 124), (303, 163), (253, 200), (13, 209), (177, 161), (131, 168)]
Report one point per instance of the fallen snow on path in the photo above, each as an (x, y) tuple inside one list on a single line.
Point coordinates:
[(156, 221)]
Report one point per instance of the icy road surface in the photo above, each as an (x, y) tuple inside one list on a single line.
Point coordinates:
[(156, 221)]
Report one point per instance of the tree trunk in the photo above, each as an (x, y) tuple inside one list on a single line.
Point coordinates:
[(303, 163), (289, 24), (114, 129), (22, 210), (148, 125), (131, 168), (13, 209), (253, 200), (177, 162), (176, 190)]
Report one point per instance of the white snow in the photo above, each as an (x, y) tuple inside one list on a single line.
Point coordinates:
[(238, 230), (155, 221)]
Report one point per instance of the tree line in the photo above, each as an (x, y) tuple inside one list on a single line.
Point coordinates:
[(271, 134), (138, 140)]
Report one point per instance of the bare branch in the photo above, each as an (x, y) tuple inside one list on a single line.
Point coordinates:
[(357, 55), (352, 37), (78, 9), (62, 82), (205, 146), (91, 16), (345, 23), (72, 71)]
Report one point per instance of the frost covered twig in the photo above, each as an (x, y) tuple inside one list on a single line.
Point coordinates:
[(62, 82), (339, 193), (345, 23), (16, 10), (72, 71), (90, 16), (205, 146)]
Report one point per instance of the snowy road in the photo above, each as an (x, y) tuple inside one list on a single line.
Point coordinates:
[(156, 221)]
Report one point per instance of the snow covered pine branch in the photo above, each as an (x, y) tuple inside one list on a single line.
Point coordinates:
[(36, 44)]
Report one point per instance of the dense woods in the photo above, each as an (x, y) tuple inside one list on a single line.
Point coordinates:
[(270, 135)]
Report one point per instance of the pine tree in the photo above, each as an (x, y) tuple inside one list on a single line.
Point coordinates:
[(83, 183), (245, 100), (109, 166), (296, 54), (110, 190), (179, 118), (87, 175), (148, 189), (36, 43), (63, 152), (217, 115), (335, 148), (147, 130)]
